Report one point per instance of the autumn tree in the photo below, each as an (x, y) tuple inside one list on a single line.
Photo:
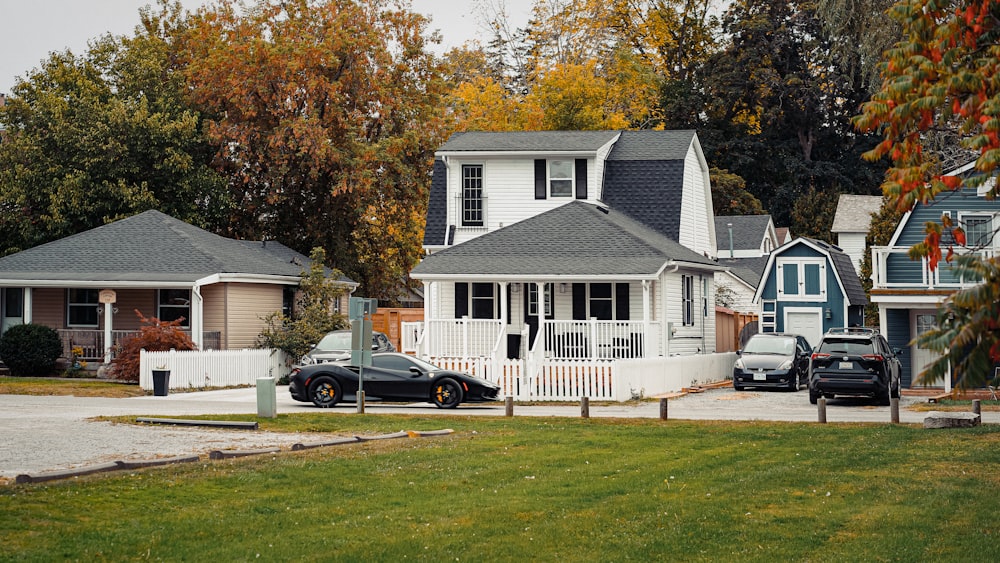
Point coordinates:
[(325, 115), (730, 195), (96, 137), (942, 76)]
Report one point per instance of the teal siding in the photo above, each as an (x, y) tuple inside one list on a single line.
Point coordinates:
[(898, 335), (835, 300)]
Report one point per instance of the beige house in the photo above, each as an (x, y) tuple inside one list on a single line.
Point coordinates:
[(89, 285)]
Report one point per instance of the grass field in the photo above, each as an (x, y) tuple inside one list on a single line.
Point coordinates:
[(542, 490)]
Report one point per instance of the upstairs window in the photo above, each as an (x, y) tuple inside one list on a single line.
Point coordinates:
[(560, 178), (978, 230), (472, 195)]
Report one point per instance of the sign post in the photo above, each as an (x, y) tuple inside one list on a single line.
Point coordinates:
[(359, 313)]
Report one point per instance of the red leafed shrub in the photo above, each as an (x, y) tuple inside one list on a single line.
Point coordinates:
[(154, 336)]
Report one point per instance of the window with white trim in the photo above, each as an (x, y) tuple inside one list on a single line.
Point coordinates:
[(561, 178), (801, 279), (687, 299), (472, 195), (978, 230), (172, 304), (81, 307)]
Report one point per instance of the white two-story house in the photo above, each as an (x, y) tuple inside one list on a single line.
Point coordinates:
[(569, 245)]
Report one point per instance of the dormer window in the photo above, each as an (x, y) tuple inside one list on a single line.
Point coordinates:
[(560, 178), (978, 230)]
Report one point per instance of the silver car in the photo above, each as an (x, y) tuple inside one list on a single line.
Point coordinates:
[(336, 347)]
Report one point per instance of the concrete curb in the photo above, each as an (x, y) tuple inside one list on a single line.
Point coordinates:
[(210, 423), (143, 463), (227, 454), (335, 442), (383, 436)]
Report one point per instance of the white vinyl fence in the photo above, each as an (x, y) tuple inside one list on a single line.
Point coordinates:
[(212, 368)]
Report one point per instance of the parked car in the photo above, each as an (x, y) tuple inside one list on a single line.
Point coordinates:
[(391, 377), (336, 347), (772, 360), (854, 362)]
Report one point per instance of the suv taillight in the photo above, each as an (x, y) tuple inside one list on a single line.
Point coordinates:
[(873, 357), (820, 356)]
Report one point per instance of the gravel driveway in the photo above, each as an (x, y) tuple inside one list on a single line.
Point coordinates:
[(52, 433)]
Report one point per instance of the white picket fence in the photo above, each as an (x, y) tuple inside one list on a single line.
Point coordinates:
[(212, 368), (605, 380)]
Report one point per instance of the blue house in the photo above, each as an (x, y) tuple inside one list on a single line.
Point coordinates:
[(907, 292), (808, 287)]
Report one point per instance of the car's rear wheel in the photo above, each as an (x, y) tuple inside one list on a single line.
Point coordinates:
[(895, 390), (813, 396), (884, 397), (446, 393), (325, 392)]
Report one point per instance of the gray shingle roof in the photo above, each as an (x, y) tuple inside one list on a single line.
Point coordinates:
[(437, 207), (750, 270), (845, 271), (652, 145), (748, 231), (150, 247), (854, 213), (576, 239), (536, 141)]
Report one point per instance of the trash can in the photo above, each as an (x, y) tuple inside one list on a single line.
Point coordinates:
[(267, 399), (161, 382)]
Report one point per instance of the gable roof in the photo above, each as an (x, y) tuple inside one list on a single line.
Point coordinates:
[(847, 277), (527, 141), (784, 235), (644, 177), (149, 249), (854, 213), (749, 270), (576, 239), (748, 231)]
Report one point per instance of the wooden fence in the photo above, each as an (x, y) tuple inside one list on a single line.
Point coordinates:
[(728, 328), (390, 322)]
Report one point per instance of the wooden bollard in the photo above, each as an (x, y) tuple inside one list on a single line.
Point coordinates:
[(821, 408), (508, 404), (663, 408), (894, 409), (977, 407), (361, 402), (585, 407)]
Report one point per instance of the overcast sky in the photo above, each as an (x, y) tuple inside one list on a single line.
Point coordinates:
[(34, 28)]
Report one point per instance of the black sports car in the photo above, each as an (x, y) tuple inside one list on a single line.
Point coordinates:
[(391, 377)]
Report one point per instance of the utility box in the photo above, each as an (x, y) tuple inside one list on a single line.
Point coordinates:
[(267, 398)]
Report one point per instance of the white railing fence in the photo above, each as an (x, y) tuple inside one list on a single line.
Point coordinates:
[(601, 339), (460, 337), (409, 335), (213, 368), (905, 272)]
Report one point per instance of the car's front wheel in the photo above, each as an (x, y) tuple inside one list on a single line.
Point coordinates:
[(325, 392), (813, 396), (793, 382), (446, 393)]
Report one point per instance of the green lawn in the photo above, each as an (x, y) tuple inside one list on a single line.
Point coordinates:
[(539, 489)]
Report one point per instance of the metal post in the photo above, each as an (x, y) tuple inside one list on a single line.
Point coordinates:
[(894, 409), (508, 406), (361, 402), (663, 408), (821, 407), (585, 407)]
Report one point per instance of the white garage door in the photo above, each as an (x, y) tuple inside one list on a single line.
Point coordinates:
[(806, 322)]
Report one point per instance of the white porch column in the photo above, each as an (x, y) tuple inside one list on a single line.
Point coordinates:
[(197, 318), (108, 321), (504, 321), (26, 311), (540, 310), (646, 310)]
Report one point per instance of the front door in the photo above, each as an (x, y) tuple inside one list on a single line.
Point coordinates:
[(13, 308), (921, 322), (535, 306)]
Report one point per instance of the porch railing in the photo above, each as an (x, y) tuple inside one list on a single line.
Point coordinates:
[(574, 340), (893, 268), (463, 337), (91, 341)]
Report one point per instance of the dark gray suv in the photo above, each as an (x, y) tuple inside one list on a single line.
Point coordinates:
[(854, 362)]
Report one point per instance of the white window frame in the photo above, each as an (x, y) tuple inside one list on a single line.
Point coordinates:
[(800, 264), (464, 220), (963, 219), (71, 304), (552, 177)]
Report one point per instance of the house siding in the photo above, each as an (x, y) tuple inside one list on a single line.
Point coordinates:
[(214, 310), (835, 300), (247, 303), (48, 307), (509, 187), (853, 244), (695, 211), (898, 335), (742, 295)]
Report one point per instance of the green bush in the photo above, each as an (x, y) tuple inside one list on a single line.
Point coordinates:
[(30, 349)]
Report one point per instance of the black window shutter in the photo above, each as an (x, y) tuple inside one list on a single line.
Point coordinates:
[(461, 300), (550, 288), (509, 316), (579, 301), (541, 189), (581, 178), (621, 301)]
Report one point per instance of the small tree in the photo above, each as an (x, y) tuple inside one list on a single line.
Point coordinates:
[(313, 315), (30, 349), (154, 336)]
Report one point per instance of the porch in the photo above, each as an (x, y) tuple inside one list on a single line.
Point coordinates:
[(91, 341)]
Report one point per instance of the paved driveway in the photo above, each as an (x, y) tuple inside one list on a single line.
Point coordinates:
[(49, 433)]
